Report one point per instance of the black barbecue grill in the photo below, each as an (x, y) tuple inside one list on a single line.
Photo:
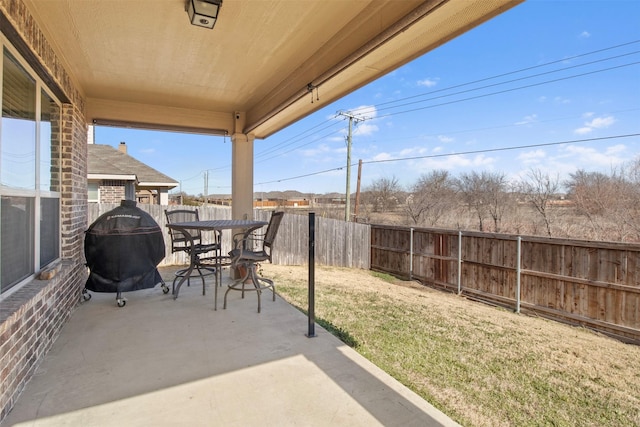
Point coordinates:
[(123, 248)]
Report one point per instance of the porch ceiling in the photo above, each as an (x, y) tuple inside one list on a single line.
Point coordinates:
[(142, 62)]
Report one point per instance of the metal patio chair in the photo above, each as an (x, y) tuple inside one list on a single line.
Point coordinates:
[(198, 251), (245, 258)]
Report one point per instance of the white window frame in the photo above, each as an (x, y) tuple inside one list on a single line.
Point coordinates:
[(36, 193)]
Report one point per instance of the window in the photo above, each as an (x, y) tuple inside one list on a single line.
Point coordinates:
[(29, 174), (94, 192)]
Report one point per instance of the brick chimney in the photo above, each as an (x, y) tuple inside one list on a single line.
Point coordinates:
[(123, 147)]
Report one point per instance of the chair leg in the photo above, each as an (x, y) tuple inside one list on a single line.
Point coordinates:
[(268, 283), (201, 277), (254, 280), (185, 275), (235, 287), (259, 283)]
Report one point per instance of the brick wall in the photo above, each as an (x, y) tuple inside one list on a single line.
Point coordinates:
[(111, 192), (17, 14), (35, 314), (73, 203), (32, 316)]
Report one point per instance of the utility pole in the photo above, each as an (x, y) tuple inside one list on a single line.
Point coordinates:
[(206, 186), (355, 210), (352, 118)]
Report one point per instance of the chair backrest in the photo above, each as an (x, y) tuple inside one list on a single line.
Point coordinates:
[(179, 241), (272, 231)]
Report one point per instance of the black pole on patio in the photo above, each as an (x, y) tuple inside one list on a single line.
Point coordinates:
[(311, 312)]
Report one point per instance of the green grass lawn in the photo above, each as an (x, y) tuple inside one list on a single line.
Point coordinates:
[(480, 365)]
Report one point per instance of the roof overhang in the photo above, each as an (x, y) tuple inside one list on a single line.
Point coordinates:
[(265, 65), (157, 184), (115, 177)]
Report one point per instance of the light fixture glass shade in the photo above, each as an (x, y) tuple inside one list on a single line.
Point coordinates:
[(204, 13)]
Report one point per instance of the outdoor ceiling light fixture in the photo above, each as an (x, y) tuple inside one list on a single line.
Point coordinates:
[(203, 13)]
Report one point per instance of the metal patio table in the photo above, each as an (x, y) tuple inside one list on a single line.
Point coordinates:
[(216, 225)]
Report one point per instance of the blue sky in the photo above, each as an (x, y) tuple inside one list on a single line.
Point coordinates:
[(550, 84)]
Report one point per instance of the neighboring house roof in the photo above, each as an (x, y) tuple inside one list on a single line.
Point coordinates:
[(107, 162)]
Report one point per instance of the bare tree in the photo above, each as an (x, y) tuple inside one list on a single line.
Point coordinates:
[(539, 190), (485, 195), (383, 194), (431, 197), (631, 172), (624, 208), (592, 194)]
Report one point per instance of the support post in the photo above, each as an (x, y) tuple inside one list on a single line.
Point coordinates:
[(311, 311), (347, 207)]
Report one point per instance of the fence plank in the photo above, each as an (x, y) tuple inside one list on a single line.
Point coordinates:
[(339, 244), (595, 284)]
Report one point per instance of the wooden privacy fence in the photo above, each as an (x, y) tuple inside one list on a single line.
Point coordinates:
[(593, 284), (338, 243)]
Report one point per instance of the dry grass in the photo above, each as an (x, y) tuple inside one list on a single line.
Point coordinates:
[(481, 365)]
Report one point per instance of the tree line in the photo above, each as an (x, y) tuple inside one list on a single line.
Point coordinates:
[(587, 205)]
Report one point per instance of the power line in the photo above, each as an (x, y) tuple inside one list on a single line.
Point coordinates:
[(480, 96), (295, 138), (276, 149), (491, 150), (353, 120), (299, 146), (488, 150), (486, 95), (483, 87), (525, 78), (512, 72)]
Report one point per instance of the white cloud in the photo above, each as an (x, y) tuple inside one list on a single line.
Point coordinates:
[(585, 35), (589, 157), (314, 152), (428, 82), (340, 138), (365, 111), (615, 149), (457, 161), (445, 139), (413, 151), (532, 157), (561, 100), (596, 123), (528, 119), (482, 160), (601, 122), (583, 130), (383, 156), (365, 128), (361, 126)]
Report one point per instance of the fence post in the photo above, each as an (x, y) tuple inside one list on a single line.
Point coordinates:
[(518, 253), (411, 253), (459, 262)]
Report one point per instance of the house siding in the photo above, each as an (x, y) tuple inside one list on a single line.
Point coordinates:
[(32, 316)]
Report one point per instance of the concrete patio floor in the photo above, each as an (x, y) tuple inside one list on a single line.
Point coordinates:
[(164, 362)]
